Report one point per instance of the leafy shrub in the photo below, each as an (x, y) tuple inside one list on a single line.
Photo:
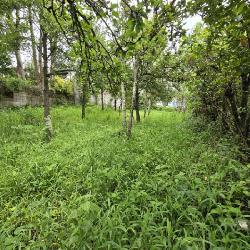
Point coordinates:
[(16, 84), (61, 85)]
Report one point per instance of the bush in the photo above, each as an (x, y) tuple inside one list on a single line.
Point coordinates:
[(60, 85), (15, 84)]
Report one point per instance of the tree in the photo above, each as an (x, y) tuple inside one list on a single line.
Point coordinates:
[(226, 43), (33, 45)]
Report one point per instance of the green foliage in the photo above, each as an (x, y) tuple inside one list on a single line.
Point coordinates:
[(167, 187), (167, 109), (16, 84), (61, 85), (219, 58), (5, 61)]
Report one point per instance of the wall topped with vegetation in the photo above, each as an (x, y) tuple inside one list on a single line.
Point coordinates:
[(20, 99)]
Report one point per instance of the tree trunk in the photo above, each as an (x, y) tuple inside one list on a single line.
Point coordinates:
[(40, 59), (149, 105), (115, 102), (233, 104), (130, 124), (145, 103), (47, 118), (19, 67), (77, 99), (183, 104), (224, 123), (245, 83), (102, 98), (137, 103), (53, 51), (84, 98), (96, 99), (33, 45), (83, 105), (120, 108), (123, 106)]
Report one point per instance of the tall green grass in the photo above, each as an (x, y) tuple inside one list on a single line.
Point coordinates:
[(167, 187)]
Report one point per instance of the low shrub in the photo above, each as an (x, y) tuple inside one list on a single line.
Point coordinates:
[(16, 84)]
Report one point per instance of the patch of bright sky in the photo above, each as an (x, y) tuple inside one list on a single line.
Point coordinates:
[(190, 23)]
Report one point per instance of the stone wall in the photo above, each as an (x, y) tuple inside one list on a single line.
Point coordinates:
[(21, 99)]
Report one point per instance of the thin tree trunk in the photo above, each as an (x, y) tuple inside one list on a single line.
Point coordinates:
[(53, 51), (84, 99), (33, 45), (149, 105), (83, 105), (120, 108), (40, 59), (123, 104), (137, 104), (130, 124), (183, 109), (96, 99), (19, 68), (233, 104), (224, 115), (102, 98), (115, 101), (245, 83), (145, 103), (47, 118), (76, 91)]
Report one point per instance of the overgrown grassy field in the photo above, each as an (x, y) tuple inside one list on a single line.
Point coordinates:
[(168, 187)]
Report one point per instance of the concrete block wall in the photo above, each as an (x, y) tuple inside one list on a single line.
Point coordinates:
[(108, 100)]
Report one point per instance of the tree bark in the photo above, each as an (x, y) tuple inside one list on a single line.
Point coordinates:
[(183, 104), (102, 98), (83, 105), (149, 105), (84, 99), (53, 51), (40, 59), (77, 98), (224, 123), (33, 45), (47, 118), (115, 102), (137, 103), (130, 124), (19, 68), (233, 104), (96, 99), (245, 83), (123, 104), (145, 103)]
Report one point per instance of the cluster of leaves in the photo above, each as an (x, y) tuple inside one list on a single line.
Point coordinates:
[(166, 188), (12, 83), (60, 85), (218, 57)]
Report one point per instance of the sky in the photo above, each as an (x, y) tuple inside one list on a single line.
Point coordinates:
[(191, 22)]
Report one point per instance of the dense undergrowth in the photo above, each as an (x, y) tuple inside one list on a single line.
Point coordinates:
[(168, 187)]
